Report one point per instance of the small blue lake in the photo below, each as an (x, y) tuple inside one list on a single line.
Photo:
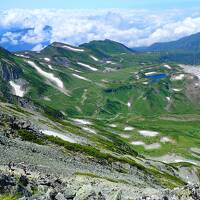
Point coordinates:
[(156, 76)]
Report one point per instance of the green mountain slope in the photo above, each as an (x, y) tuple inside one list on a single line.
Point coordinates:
[(76, 82), (123, 89), (99, 115), (107, 47)]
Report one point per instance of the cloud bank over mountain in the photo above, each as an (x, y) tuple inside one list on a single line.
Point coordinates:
[(34, 29)]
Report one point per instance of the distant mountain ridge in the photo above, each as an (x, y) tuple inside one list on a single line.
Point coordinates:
[(185, 50), (189, 43)]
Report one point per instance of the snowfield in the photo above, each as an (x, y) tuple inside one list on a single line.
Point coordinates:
[(59, 135), (148, 133), (75, 70), (176, 90), (110, 62), (150, 73), (73, 49), (146, 146), (47, 99), (167, 66), (145, 83), (80, 77), (129, 104), (168, 98), (128, 128), (50, 67), (47, 75), (47, 59), (165, 140), (87, 66), (94, 58), (87, 129), (195, 150), (23, 56), (113, 125), (125, 136), (178, 77), (138, 143), (18, 91), (152, 146), (82, 122)]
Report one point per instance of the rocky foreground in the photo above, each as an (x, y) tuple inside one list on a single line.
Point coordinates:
[(52, 188), (32, 171)]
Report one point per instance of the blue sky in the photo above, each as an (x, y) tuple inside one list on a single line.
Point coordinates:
[(91, 4)]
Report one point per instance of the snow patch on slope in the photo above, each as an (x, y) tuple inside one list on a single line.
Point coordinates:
[(75, 70), (87, 66), (47, 99), (129, 104), (94, 58), (129, 128), (165, 140), (176, 90), (168, 98), (195, 150), (167, 66), (59, 135), (82, 122), (113, 125), (148, 133), (50, 67), (150, 73), (146, 146), (110, 62), (178, 77), (18, 91), (21, 55), (73, 49), (80, 77), (87, 129), (47, 75), (47, 59)]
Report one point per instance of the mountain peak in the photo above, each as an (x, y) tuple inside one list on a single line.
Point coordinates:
[(107, 47)]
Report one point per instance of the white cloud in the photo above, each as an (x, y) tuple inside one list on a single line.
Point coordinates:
[(38, 47), (131, 27), (10, 37)]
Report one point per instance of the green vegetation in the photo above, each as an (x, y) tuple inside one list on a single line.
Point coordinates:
[(107, 47), (9, 197), (28, 136), (184, 135), (119, 92)]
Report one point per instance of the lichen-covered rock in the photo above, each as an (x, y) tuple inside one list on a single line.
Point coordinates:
[(60, 196), (116, 195), (85, 193)]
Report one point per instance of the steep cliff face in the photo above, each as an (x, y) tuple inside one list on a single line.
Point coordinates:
[(9, 69)]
